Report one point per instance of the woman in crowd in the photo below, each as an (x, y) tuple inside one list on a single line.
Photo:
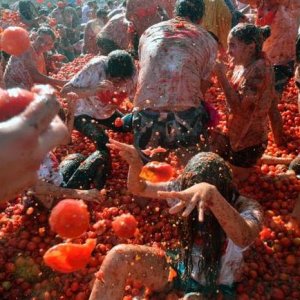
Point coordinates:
[(250, 97), (216, 226)]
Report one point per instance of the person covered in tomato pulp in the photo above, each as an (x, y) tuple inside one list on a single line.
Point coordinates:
[(251, 98), (217, 225), (29, 68), (101, 87), (176, 58)]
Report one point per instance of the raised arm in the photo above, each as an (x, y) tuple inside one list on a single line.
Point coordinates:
[(135, 184), (241, 225)]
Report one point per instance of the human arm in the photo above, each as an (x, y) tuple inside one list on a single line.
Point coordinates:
[(135, 184), (25, 140), (37, 77), (241, 228), (249, 90), (83, 92), (48, 192)]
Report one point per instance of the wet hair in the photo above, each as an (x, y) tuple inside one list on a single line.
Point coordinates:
[(46, 30), (298, 50), (27, 9), (106, 45), (101, 13), (249, 33), (120, 64), (211, 168), (193, 9)]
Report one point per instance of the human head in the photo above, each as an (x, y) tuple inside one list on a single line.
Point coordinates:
[(210, 168), (192, 9), (244, 38), (106, 45), (101, 14), (92, 4), (44, 40), (120, 64), (68, 15)]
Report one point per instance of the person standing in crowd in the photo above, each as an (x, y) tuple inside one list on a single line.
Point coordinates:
[(176, 58), (91, 30), (29, 68), (250, 96), (87, 11)]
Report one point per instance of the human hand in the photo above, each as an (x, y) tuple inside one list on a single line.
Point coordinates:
[(220, 68), (127, 152), (199, 195), (26, 139)]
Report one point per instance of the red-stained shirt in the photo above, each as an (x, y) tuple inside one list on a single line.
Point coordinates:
[(117, 30), (16, 72), (175, 56), (248, 121), (284, 22)]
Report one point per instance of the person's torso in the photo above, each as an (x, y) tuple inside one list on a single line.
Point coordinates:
[(116, 30), (16, 73), (249, 127), (174, 57)]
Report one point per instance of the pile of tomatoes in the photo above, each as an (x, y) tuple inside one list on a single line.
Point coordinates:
[(272, 268)]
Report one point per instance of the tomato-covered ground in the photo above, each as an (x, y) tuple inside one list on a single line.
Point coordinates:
[(272, 268)]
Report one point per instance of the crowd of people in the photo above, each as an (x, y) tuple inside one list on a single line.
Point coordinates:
[(162, 54)]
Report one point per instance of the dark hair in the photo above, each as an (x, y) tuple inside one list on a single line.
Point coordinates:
[(27, 10), (120, 64), (106, 45), (298, 49), (211, 168), (193, 9), (46, 30), (101, 13), (249, 33)]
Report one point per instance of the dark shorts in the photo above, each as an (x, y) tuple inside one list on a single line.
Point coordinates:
[(283, 73), (244, 158), (170, 129)]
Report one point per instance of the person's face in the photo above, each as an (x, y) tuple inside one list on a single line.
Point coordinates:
[(68, 18), (45, 43), (238, 50)]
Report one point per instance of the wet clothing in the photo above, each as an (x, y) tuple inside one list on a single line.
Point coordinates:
[(248, 120), (231, 260), (169, 129), (175, 56), (92, 28), (117, 31), (16, 72), (244, 158), (280, 46)]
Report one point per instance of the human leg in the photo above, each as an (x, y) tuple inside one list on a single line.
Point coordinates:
[(142, 263)]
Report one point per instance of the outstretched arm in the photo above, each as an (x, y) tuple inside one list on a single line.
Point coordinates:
[(135, 183)]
